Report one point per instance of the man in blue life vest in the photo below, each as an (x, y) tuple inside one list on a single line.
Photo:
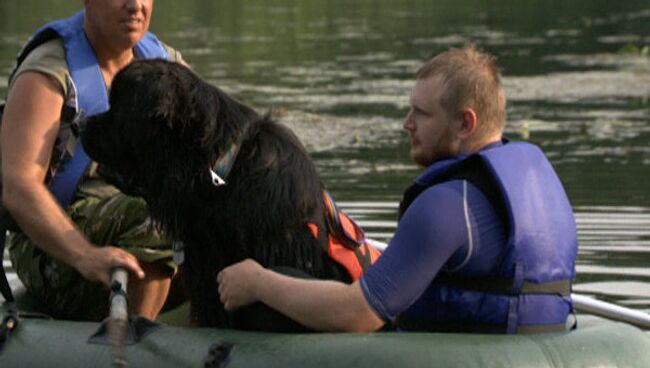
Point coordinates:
[(72, 227), (486, 240)]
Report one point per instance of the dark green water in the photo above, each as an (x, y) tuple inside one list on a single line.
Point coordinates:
[(340, 72)]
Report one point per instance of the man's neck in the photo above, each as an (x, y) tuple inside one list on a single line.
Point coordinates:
[(110, 56), (477, 145)]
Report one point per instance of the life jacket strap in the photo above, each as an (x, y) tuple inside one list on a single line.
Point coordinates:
[(5, 288), (37, 40), (7, 223), (409, 323), (493, 285)]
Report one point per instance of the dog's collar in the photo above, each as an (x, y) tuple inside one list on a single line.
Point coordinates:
[(220, 170)]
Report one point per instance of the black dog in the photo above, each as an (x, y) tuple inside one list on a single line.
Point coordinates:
[(170, 138)]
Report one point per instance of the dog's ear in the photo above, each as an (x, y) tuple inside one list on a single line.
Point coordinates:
[(193, 111), (168, 100), (189, 111), (164, 115), (223, 117)]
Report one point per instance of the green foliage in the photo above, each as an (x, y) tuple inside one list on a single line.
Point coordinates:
[(632, 49)]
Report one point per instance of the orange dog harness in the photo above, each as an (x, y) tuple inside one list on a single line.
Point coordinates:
[(344, 240)]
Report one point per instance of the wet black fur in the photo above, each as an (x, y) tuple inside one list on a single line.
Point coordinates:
[(165, 129)]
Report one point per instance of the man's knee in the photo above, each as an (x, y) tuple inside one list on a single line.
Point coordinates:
[(148, 296)]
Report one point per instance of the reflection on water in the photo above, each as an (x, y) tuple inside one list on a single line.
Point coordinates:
[(339, 74), (614, 254)]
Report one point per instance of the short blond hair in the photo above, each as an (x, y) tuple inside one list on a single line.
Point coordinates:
[(471, 79)]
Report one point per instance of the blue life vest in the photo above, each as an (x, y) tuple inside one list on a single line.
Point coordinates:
[(89, 90), (529, 289)]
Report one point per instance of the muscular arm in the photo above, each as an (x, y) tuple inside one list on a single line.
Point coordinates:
[(29, 129)]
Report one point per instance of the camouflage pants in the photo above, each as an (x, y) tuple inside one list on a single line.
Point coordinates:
[(120, 221)]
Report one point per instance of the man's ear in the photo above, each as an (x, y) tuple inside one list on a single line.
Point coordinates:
[(469, 123)]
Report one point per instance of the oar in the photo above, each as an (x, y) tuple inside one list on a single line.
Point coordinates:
[(611, 311), (118, 322)]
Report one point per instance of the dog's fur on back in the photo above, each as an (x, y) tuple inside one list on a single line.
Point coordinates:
[(164, 131)]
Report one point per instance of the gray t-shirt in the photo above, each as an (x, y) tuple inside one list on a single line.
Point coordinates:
[(49, 59)]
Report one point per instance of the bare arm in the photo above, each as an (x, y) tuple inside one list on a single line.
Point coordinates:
[(29, 129), (319, 304)]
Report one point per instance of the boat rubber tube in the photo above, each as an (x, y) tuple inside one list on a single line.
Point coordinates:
[(596, 342)]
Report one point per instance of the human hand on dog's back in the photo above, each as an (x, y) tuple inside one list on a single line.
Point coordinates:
[(323, 305), (238, 282)]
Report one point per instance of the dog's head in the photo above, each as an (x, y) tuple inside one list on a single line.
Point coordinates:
[(165, 128)]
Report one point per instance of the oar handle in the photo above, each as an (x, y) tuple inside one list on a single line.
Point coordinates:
[(118, 323), (611, 311), (119, 281)]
